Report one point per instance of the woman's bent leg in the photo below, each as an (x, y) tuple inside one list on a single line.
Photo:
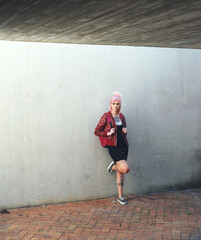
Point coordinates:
[(121, 166)]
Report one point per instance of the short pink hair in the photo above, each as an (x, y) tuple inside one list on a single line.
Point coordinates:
[(116, 97)]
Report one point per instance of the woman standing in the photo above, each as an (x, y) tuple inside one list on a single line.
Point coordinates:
[(112, 130)]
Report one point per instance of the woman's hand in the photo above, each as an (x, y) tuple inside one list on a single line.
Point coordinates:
[(124, 130), (112, 131)]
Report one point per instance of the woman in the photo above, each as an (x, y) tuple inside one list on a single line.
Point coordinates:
[(112, 127)]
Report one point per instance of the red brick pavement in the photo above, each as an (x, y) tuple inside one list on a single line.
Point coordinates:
[(161, 216)]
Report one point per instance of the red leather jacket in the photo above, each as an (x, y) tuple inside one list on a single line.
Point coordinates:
[(103, 127)]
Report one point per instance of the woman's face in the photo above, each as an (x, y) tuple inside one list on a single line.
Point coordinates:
[(115, 106)]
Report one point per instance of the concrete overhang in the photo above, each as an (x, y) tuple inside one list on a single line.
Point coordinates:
[(156, 23)]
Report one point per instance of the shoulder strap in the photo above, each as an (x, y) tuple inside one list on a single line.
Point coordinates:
[(109, 120)]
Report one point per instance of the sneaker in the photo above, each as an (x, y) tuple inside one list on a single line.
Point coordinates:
[(122, 200), (109, 168)]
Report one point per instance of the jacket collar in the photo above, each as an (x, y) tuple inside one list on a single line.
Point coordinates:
[(109, 113)]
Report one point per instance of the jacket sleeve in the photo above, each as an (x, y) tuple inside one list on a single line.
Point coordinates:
[(100, 128), (124, 122)]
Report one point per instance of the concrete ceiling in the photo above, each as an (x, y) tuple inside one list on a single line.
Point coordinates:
[(158, 23)]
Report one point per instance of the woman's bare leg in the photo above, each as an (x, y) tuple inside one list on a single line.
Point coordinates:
[(121, 168), (120, 183)]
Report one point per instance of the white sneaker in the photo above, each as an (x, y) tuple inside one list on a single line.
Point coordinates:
[(122, 200), (109, 168)]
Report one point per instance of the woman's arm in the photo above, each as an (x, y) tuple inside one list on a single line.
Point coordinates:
[(99, 130)]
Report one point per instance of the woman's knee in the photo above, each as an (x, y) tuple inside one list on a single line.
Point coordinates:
[(123, 167), (126, 170)]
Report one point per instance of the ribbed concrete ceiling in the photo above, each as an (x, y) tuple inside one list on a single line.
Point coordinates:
[(160, 23)]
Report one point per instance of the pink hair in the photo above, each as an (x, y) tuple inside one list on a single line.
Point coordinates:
[(116, 97)]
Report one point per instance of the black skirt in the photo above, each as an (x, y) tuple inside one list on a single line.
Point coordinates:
[(119, 152)]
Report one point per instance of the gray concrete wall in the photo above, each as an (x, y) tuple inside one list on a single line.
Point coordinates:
[(51, 98)]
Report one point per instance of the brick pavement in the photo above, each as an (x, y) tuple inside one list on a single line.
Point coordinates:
[(161, 216)]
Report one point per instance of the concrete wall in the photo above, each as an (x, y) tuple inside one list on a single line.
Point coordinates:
[(51, 98)]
